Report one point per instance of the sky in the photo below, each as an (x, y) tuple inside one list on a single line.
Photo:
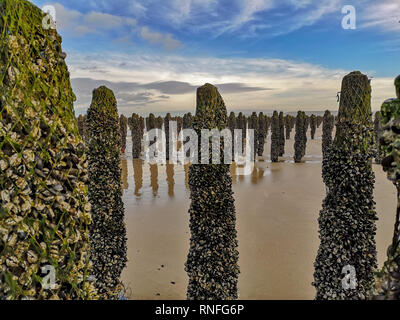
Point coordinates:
[(261, 54)]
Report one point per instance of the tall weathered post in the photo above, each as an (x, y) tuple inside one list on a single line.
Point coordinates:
[(253, 124), (388, 278), (212, 263), (136, 125), (44, 210), (107, 233), (167, 121), (262, 132), (288, 126), (346, 259), (300, 139), (275, 137), (281, 134)]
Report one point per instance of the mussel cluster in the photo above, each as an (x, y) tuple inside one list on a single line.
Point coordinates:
[(347, 219), (300, 139), (275, 137), (107, 232), (212, 263), (44, 210)]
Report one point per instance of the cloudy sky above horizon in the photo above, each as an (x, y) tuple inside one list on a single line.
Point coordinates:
[(261, 54)]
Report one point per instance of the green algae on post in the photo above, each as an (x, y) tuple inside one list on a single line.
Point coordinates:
[(44, 210)]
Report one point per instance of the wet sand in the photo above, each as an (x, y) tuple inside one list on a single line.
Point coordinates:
[(277, 211)]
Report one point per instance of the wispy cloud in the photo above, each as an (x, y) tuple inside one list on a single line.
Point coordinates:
[(78, 24), (383, 14)]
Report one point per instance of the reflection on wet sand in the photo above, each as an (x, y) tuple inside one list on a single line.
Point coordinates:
[(170, 171), (170, 179), (154, 178), (277, 209), (187, 176), (233, 173), (138, 175), (124, 176)]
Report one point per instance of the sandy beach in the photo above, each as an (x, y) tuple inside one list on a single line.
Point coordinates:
[(277, 210)]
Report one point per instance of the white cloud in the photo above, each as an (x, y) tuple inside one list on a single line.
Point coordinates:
[(166, 40), (79, 24), (289, 85)]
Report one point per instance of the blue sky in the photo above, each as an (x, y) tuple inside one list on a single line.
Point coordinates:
[(262, 54)]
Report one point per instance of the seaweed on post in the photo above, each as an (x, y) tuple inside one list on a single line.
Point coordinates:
[(44, 209)]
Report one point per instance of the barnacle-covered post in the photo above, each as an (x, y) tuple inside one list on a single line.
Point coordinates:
[(167, 120), (108, 233), (378, 133), (123, 124), (313, 125), (44, 210), (388, 278), (281, 134), (136, 125), (212, 263), (327, 129), (347, 219), (275, 137), (262, 132), (300, 139)]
